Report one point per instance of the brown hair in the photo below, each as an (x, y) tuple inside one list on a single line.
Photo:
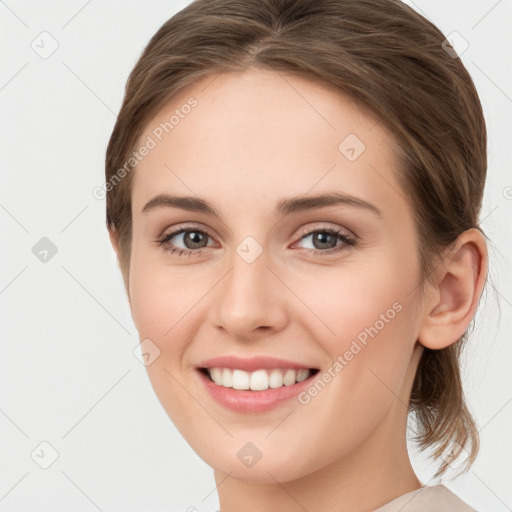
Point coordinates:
[(392, 62)]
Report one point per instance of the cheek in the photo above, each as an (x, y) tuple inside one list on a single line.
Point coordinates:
[(357, 298), (160, 295), (370, 326), (369, 358), (161, 309)]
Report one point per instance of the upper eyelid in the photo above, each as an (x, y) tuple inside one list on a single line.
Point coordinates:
[(327, 227), (181, 228)]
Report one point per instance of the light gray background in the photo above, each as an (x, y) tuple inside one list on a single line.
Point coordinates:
[(69, 374)]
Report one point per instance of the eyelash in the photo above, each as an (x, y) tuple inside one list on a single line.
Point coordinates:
[(347, 240)]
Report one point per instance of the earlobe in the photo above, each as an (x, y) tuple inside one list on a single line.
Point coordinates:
[(453, 302)]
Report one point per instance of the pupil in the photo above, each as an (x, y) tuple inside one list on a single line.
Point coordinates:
[(321, 237), (193, 237)]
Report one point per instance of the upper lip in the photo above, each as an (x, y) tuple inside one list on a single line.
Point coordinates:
[(251, 363)]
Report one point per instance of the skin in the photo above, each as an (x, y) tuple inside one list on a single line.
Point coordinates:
[(253, 139)]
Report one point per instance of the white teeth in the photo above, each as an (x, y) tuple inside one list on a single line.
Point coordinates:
[(302, 374), (276, 379), (240, 379), (258, 380), (227, 378), (216, 375), (289, 377)]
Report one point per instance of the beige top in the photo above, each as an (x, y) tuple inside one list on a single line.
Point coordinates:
[(436, 498)]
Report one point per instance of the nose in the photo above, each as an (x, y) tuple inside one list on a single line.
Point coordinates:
[(251, 300)]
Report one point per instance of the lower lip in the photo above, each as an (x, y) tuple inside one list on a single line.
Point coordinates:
[(252, 401)]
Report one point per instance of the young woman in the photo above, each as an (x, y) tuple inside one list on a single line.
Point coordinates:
[(293, 191)]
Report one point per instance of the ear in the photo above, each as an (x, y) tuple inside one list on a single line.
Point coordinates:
[(452, 304), (114, 240)]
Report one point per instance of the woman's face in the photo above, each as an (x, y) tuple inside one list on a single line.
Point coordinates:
[(269, 277)]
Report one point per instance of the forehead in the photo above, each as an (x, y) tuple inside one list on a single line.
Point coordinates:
[(266, 133)]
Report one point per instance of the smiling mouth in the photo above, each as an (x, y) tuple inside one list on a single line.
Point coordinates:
[(258, 380)]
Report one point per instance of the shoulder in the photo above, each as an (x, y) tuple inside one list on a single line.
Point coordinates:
[(437, 498)]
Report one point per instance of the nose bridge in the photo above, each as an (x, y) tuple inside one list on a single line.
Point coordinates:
[(249, 297), (249, 267), (247, 283)]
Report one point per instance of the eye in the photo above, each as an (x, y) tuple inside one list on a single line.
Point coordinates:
[(325, 241), (193, 239)]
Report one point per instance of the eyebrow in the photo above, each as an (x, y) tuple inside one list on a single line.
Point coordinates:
[(284, 207)]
